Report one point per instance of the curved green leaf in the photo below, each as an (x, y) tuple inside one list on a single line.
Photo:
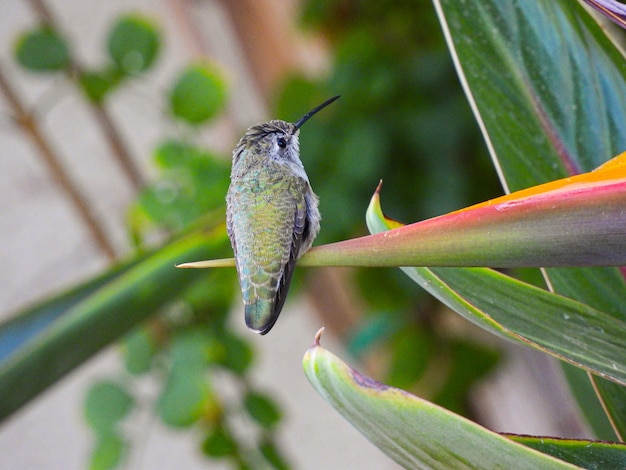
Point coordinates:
[(22, 327), (95, 319), (272, 454), (414, 432), (546, 84), (612, 397), (548, 88), (584, 391), (565, 328)]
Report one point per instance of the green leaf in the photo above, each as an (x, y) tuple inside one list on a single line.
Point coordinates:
[(273, 455), (42, 50), (212, 298), (19, 329), (111, 310), (262, 409), (190, 350), (188, 395), (106, 404), (109, 451), (134, 43), (612, 397), (198, 94), (584, 453), (521, 312), (184, 398), (549, 90), (545, 81), (412, 431), (138, 350), (219, 443), (180, 196), (584, 392), (238, 354), (98, 84)]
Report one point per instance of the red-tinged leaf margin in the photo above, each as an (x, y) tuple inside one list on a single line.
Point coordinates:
[(567, 329), (613, 10)]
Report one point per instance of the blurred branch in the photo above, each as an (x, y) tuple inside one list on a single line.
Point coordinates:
[(31, 128), (264, 30), (182, 11), (101, 115)]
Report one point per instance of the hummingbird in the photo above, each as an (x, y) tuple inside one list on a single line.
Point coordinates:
[(272, 215)]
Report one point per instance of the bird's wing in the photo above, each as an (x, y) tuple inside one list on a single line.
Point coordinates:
[(300, 232)]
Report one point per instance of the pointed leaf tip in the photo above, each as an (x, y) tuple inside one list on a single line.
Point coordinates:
[(379, 188), (318, 337), (209, 263)]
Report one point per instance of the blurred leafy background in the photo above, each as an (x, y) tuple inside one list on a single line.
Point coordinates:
[(402, 118)]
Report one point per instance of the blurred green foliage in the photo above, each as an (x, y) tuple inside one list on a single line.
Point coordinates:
[(199, 93), (262, 409), (134, 43), (108, 451), (107, 403), (133, 46), (42, 50), (193, 183), (402, 118)]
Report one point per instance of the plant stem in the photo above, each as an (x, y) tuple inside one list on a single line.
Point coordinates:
[(61, 177)]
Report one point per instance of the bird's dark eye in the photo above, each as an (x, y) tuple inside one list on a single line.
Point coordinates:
[(282, 143)]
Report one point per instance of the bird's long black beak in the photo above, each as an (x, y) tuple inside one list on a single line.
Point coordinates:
[(308, 115)]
